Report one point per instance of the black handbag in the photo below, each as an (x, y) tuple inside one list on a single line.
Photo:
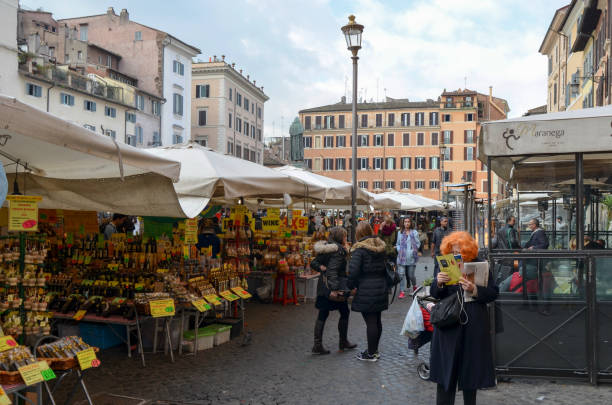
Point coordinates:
[(449, 311), (391, 275)]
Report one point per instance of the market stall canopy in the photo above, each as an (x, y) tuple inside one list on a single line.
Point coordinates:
[(74, 168), (207, 174), (411, 202), (531, 151), (329, 191)]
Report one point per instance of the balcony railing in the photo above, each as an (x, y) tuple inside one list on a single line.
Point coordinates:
[(75, 81)]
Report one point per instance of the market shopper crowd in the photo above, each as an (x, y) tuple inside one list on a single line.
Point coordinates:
[(461, 354)]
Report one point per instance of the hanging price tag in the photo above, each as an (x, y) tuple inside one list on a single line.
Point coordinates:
[(87, 359), (241, 292), (160, 308), (4, 399), (46, 372), (80, 314), (7, 342), (212, 299), (201, 305), (31, 374), (228, 295)]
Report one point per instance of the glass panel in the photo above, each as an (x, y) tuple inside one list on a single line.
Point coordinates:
[(598, 200), (541, 313), (543, 202), (603, 277)]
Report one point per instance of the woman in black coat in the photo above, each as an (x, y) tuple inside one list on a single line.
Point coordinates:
[(367, 273), (332, 288), (462, 354)]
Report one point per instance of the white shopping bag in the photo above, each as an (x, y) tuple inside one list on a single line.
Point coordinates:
[(413, 323)]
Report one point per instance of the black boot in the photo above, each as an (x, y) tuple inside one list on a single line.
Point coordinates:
[(343, 332), (318, 338)]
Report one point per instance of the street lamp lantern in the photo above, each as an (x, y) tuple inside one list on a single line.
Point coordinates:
[(352, 32)]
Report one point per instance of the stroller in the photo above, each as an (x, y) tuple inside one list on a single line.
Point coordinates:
[(424, 337)]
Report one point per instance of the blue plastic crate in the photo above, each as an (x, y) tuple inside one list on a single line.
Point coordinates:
[(100, 335)]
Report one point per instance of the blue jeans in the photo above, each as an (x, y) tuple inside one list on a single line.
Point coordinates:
[(407, 276)]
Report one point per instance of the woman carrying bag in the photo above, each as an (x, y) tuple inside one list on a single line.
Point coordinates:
[(461, 351), (368, 274), (408, 254), (332, 288)]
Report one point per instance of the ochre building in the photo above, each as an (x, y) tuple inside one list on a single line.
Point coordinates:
[(409, 146)]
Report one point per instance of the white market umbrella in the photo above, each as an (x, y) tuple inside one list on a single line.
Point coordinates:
[(411, 202), (330, 191), (74, 168), (207, 174)]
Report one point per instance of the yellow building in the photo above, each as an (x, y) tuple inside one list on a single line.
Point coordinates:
[(577, 44)]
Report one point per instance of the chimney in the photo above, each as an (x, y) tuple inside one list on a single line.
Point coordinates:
[(490, 93), (343, 99), (240, 71), (233, 65), (223, 58), (248, 77), (209, 59), (261, 88), (124, 16), (254, 82), (110, 11), (214, 58)]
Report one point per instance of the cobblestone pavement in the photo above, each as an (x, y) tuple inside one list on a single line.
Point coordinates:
[(276, 368)]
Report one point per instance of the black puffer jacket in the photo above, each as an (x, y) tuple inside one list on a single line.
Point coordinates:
[(367, 273), (333, 256)]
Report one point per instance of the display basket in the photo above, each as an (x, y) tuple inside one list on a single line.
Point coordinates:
[(14, 377), (61, 364)]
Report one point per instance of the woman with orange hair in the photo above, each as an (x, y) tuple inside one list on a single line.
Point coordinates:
[(461, 353)]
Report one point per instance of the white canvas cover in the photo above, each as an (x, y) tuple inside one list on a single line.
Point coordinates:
[(325, 189), (74, 168), (411, 202), (206, 174)]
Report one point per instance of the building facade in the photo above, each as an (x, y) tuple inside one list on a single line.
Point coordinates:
[(227, 110), (161, 62), (416, 147), (577, 44)]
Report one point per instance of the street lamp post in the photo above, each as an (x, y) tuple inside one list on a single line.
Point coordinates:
[(352, 32)]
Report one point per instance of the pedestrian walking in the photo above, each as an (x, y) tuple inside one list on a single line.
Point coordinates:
[(461, 353), (367, 273), (436, 240), (408, 255), (332, 288)]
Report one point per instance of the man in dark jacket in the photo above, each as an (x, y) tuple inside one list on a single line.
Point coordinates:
[(538, 238), (330, 261), (507, 236), (367, 273), (312, 226), (436, 240)]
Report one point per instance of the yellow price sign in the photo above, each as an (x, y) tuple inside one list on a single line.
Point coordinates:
[(212, 299), (269, 224), (80, 314), (7, 342), (87, 359), (4, 399), (160, 308), (191, 231), (228, 295), (23, 213), (31, 374), (201, 305), (161, 271), (241, 292)]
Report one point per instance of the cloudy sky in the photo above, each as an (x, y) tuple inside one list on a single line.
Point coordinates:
[(411, 48)]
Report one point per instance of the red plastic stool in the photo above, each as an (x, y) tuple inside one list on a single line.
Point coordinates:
[(282, 281)]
